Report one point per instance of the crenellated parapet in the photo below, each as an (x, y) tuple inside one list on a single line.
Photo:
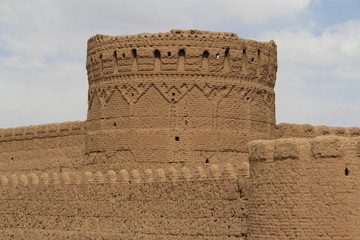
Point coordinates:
[(183, 203), (287, 130), (42, 131), (306, 188), (181, 53), (42, 147), (171, 174)]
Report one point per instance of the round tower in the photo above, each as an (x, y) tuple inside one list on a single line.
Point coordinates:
[(178, 97)]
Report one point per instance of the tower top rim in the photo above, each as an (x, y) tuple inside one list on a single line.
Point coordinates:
[(172, 34)]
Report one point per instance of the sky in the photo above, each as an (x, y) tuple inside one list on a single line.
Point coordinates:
[(43, 51)]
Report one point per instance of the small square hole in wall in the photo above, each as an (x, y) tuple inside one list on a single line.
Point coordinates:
[(177, 138)]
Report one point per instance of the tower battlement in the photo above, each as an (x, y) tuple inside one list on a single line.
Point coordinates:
[(179, 52)]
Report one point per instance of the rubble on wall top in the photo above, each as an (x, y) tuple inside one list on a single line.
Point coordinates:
[(173, 34)]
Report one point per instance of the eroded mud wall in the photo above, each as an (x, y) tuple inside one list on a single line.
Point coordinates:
[(157, 204), (288, 130), (43, 147), (305, 189)]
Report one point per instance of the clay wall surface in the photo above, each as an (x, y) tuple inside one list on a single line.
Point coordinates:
[(178, 97), (157, 204), (287, 130), (42, 147), (305, 189)]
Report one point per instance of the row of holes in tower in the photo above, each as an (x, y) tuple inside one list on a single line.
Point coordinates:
[(181, 59)]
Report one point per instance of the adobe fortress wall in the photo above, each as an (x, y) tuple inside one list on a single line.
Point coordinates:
[(61, 146), (42, 147), (171, 203), (304, 188)]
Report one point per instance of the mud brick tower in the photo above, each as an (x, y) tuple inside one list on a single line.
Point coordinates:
[(178, 97)]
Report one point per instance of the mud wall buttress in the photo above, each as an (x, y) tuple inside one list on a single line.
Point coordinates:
[(305, 188)]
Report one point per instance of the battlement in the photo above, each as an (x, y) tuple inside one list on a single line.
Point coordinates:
[(166, 203), (173, 34), (287, 130), (181, 52), (292, 148), (213, 172), (42, 131)]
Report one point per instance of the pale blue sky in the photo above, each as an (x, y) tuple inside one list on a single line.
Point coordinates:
[(43, 51)]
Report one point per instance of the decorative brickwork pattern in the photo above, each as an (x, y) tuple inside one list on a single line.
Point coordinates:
[(178, 97)]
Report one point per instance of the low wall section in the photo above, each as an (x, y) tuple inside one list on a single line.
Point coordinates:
[(152, 204), (305, 189), (288, 130), (42, 147)]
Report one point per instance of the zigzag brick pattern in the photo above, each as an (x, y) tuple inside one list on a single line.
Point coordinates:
[(178, 97)]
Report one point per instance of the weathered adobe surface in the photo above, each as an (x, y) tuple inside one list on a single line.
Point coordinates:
[(55, 147), (304, 188), (287, 130), (179, 97), (201, 203), (297, 189), (42, 147)]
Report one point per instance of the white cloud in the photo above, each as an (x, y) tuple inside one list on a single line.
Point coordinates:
[(259, 11), (52, 27), (319, 74), (38, 94), (337, 46)]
